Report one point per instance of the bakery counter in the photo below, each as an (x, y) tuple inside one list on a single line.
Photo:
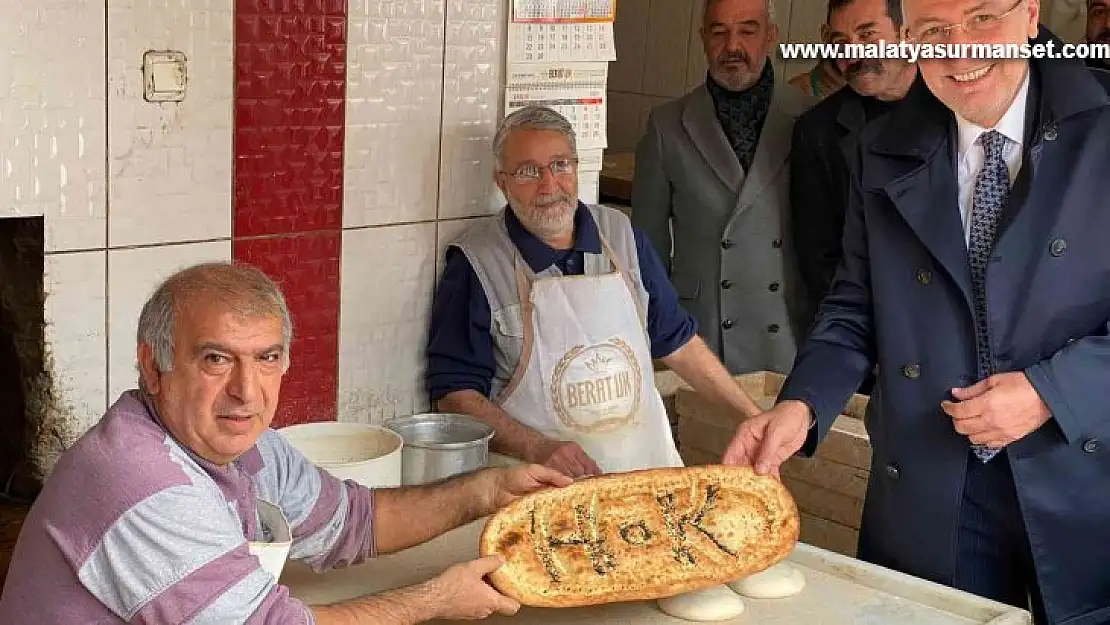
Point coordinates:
[(839, 590)]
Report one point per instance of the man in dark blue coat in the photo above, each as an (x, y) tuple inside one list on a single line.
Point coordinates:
[(976, 275)]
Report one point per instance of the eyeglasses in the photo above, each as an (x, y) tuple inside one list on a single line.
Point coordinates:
[(530, 173), (980, 22)]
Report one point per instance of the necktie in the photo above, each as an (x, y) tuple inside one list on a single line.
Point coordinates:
[(992, 188)]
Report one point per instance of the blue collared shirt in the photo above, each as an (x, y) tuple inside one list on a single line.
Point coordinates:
[(460, 344)]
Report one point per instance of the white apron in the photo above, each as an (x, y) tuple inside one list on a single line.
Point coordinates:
[(585, 372)]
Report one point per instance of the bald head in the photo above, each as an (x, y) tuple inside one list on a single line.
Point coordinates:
[(239, 289)]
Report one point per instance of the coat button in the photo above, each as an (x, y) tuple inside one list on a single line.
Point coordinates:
[(727, 243), (1051, 131), (726, 324), (911, 371), (774, 286), (1091, 445), (892, 471), (1057, 247), (726, 284), (924, 276), (773, 328), (777, 243)]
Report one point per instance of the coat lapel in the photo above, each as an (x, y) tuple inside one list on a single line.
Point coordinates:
[(773, 150), (927, 195), (928, 199), (774, 145), (699, 118), (851, 119)]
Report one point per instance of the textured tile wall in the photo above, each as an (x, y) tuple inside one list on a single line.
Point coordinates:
[(76, 286), (472, 106), (290, 77), (386, 296), (319, 139), (290, 115), (52, 119), (394, 98), (170, 179)]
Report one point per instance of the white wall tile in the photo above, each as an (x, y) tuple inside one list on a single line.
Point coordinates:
[(473, 100), (52, 136), (75, 285), (385, 300), (132, 276), (171, 162), (394, 98)]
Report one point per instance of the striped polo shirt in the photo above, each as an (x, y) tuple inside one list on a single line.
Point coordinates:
[(132, 527)]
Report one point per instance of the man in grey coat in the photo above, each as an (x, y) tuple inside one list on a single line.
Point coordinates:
[(711, 189)]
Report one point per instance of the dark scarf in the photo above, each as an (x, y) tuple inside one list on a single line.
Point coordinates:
[(742, 113)]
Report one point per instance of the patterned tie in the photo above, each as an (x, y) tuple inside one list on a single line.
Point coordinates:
[(992, 187)]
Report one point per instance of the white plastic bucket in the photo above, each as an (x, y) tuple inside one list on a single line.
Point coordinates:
[(367, 454)]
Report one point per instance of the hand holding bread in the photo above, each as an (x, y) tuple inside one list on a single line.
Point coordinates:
[(511, 484), (566, 457), (765, 441), (461, 592)]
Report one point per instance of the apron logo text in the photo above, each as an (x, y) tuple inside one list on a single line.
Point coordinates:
[(597, 388), (589, 393)]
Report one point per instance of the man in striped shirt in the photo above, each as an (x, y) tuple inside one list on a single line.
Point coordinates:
[(147, 518)]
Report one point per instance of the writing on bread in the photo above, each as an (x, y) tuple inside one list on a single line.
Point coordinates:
[(640, 535)]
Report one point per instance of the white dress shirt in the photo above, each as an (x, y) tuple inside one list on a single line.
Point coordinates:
[(971, 155)]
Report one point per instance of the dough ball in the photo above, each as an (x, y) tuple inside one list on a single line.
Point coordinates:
[(716, 603), (779, 581)]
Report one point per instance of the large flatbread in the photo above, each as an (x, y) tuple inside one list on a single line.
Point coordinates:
[(640, 535)]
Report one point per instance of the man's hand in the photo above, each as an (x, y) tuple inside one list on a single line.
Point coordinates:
[(461, 592), (510, 484), (567, 457), (998, 410), (765, 441)]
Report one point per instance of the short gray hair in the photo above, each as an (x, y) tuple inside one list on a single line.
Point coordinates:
[(242, 288), (532, 118), (708, 3)]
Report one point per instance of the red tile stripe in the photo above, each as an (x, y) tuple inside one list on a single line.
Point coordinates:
[(290, 90)]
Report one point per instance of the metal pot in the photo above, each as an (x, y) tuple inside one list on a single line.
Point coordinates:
[(440, 445)]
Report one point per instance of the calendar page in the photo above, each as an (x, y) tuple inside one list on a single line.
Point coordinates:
[(539, 11), (576, 91), (561, 43)]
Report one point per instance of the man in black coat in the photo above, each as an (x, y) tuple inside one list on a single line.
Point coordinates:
[(824, 137)]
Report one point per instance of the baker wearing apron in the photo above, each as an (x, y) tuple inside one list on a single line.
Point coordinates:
[(548, 317), (583, 368)]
